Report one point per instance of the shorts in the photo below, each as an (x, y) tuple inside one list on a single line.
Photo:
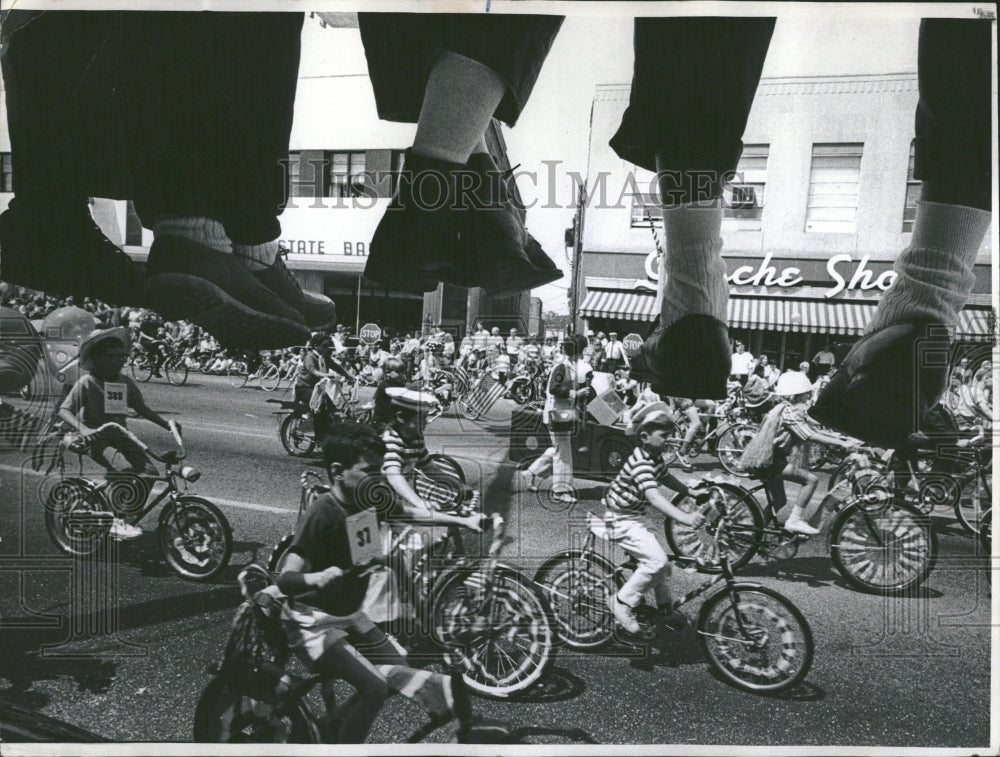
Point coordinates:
[(310, 631)]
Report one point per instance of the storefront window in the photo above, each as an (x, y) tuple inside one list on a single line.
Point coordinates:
[(912, 194), (834, 176), (346, 174), (794, 351)]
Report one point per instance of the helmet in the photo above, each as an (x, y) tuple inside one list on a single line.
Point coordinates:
[(791, 383)]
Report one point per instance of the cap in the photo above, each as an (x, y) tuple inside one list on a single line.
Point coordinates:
[(791, 383), (651, 413), (410, 399), (513, 331)]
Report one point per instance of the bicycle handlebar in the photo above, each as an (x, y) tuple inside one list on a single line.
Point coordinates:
[(170, 458)]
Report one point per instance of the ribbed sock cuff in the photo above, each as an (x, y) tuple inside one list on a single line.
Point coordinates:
[(205, 231), (257, 256)]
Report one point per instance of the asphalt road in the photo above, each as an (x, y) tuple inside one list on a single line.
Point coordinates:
[(901, 672)]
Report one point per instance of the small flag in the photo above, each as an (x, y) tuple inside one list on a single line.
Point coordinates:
[(484, 394)]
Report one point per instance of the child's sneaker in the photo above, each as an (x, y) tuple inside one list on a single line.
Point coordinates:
[(799, 526), (624, 615), (121, 530)]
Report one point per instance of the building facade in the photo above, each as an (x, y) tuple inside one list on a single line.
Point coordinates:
[(342, 169), (823, 202)]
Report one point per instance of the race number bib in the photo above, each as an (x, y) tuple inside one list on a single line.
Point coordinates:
[(363, 536), (115, 398)]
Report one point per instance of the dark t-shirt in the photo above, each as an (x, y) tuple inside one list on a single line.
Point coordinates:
[(322, 540)]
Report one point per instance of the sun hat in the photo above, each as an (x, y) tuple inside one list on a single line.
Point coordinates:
[(791, 383), (120, 334), (657, 412)]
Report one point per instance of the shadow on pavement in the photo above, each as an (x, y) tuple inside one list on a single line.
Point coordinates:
[(540, 735), (558, 685)]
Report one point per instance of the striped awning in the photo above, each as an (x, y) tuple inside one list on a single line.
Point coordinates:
[(835, 317), (632, 306)]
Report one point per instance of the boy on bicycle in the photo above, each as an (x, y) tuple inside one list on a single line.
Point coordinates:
[(323, 616), (638, 485), (103, 394), (406, 452)]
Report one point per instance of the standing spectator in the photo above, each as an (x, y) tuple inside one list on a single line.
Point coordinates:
[(447, 348), (514, 344), (771, 372), (614, 354), (742, 361), (494, 341), (824, 360)]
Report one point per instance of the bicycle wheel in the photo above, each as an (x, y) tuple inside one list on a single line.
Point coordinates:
[(73, 517), (269, 377), (142, 368), (502, 639), (756, 638), (613, 454), (470, 411), (884, 551), (986, 533), (449, 465), (176, 370), (195, 538), (227, 715), (237, 373), (279, 554), (577, 586), (296, 435), (744, 529), (730, 446), (975, 498)]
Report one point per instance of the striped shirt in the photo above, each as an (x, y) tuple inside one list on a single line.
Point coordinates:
[(402, 455), (627, 493)]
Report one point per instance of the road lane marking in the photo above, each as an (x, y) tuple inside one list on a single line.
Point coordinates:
[(25, 469)]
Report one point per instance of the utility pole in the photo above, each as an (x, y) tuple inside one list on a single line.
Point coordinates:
[(576, 261)]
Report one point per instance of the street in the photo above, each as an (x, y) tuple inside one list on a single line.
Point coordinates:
[(903, 672)]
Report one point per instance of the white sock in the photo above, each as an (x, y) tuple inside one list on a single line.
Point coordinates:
[(461, 97), (692, 272), (257, 257), (934, 274), (205, 231)]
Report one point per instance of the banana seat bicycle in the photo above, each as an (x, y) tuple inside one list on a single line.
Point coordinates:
[(755, 637), (479, 615), (877, 541), (257, 694)]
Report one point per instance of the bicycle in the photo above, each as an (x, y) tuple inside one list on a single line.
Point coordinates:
[(271, 374), (878, 542), (755, 637), (727, 439), (295, 427), (261, 701), (483, 616), (193, 535)]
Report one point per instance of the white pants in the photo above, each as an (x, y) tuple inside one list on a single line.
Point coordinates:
[(653, 570), (557, 460)]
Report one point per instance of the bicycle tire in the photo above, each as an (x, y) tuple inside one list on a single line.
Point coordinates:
[(852, 538), (970, 506), (730, 447), (205, 536), (613, 453), (577, 586), (238, 373), (73, 496), (782, 649), (269, 378), (176, 371), (745, 532), (213, 719), (277, 559), (986, 533), (521, 392), (453, 607), (448, 463), (296, 442), (142, 368)]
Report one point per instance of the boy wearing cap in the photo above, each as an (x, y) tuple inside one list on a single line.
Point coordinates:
[(642, 482), (405, 451)]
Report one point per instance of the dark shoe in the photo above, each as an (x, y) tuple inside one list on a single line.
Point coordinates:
[(417, 236), (888, 381), (690, 358), (213, 289), (318, 311), (500, 255), (66, 253)]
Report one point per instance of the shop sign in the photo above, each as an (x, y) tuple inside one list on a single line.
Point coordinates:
[(764, 274)]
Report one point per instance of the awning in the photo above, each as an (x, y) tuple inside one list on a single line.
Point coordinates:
[(631, 306), (778, 314)]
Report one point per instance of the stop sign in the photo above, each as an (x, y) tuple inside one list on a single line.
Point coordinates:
[(370, 333), (632, 343)]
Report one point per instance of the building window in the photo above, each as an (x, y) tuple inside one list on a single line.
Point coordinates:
[(912, 194), (832, 206), (645, 211), (345, 174), (303, 180), (6, 173), (744, 197)]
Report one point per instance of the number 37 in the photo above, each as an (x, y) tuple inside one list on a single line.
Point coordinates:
[(364, 536)]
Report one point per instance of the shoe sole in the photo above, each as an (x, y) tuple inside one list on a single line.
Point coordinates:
[(235, 325), (525, 285)]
